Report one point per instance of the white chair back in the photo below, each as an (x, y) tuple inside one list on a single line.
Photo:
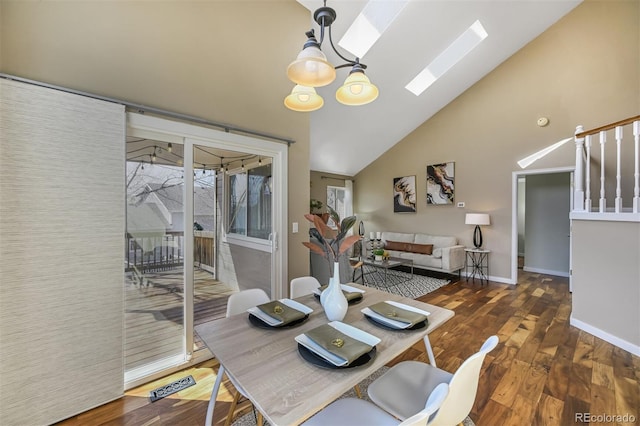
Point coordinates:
[(236, 304), (302, 286), (437, 397), (245, 299), (463, 388)]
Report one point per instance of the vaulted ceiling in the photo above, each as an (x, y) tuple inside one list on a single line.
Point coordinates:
[(345, 139)]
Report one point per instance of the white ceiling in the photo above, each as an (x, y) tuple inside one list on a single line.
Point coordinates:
[(344, 139)]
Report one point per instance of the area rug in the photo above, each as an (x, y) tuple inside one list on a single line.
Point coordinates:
[(249, 419), (399, 282)]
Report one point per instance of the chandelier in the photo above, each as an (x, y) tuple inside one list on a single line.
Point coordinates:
[(311, 69)]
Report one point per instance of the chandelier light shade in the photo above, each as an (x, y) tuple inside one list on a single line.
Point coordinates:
[(303, 99), (477, 219), (357, 89), (312, 69)]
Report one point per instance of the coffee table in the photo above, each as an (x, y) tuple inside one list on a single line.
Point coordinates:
[(385, 265)]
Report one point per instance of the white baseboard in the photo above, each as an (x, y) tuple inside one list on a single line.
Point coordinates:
[(607, 337), (546, 271), (502, 280)]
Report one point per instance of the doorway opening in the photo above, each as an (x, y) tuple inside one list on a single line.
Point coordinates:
[(541, 203)]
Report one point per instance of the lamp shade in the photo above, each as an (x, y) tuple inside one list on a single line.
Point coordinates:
[(311, 68), (477, 219), (357, 90), (303, 99)]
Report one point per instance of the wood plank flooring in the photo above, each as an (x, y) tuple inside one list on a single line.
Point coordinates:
[(543, 371), (154, 313)]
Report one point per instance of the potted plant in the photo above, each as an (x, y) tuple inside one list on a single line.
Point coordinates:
[(378, 253), (315, 207)]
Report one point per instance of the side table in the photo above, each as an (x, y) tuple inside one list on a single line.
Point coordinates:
[(478, 261)]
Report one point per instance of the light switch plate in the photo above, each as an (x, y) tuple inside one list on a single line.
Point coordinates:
[(294, 227)]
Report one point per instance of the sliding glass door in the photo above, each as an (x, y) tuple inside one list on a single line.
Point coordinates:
[(154, 256), (203, 222)]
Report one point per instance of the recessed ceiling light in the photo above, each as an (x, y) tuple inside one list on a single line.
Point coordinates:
[(457, 50), (369, 25)]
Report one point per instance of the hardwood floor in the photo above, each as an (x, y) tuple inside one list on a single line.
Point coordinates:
[(543, 372)]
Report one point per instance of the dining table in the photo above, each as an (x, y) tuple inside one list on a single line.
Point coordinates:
[(284, 386)]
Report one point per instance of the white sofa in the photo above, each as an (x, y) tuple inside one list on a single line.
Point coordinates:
[(446, 255)]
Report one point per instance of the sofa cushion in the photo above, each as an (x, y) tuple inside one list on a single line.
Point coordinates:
[(437, 253), (398, 236), (422, 260), (436, 240)]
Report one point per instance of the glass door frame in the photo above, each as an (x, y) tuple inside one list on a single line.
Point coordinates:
[(190, 135)]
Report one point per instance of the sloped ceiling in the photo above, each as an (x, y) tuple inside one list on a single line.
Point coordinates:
[(344, 139)]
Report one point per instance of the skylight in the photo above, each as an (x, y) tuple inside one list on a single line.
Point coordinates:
[(525, 162), (369, 25), (457, 50)]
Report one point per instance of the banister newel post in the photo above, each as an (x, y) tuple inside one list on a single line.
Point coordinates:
[(636, 167), (578, 190)]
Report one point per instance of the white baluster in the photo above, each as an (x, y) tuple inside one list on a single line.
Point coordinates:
[(578, 191), (603, 201), (636, 174), (587, 186), (618, 172)]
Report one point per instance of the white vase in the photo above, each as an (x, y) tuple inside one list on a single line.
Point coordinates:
[(332, 298)]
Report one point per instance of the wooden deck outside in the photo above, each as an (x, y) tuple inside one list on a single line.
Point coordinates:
[(154, 313)]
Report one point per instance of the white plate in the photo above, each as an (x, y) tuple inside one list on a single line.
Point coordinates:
[(349, 330), (344, 287), (390, 322), (275, 322)]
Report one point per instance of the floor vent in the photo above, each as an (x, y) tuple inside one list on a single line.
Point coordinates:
[(171, 388)]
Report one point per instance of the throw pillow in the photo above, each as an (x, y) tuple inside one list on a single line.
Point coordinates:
[(409, 247), (421, 248), (394, 245)]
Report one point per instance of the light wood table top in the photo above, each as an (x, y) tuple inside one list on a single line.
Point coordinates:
[(280, 383)]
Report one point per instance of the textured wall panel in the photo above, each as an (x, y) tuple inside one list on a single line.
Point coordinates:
[(61, 245)]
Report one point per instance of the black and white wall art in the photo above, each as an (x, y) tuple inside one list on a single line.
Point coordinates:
[(440, 179), (404, 194)]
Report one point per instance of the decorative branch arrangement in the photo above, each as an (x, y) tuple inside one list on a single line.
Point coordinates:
[(327, 242)]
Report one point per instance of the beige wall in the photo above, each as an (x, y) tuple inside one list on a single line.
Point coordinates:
[(582, 70), (606, 292), (219, 60)]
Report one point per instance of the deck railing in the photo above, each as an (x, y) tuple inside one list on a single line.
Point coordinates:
[(585, 158), (161, 253)]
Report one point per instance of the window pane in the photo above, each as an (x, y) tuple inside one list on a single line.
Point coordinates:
[(259, 204), (238, 204), (154, 258), (335, 200)]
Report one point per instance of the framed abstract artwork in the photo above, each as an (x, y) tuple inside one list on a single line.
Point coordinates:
[(404, 194), (440, 183)]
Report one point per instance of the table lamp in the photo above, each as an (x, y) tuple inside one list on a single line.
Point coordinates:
[(477, 219)]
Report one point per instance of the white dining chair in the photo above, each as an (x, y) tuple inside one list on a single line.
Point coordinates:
[(238, 302), (402, 390), (302, 286), (354, 411)]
